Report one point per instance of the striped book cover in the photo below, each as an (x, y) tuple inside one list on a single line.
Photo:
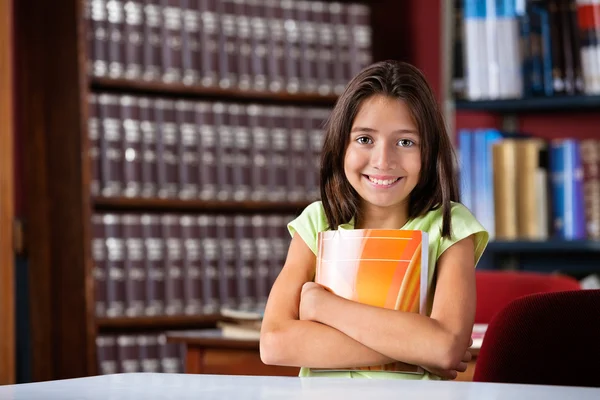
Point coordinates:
[(379, 267)]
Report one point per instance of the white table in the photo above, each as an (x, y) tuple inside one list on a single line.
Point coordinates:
[(205, 387)]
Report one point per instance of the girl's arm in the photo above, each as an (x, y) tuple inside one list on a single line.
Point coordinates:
[(285, 340), (438, 342)]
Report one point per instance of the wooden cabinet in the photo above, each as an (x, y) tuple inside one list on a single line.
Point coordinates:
[(208, 352)]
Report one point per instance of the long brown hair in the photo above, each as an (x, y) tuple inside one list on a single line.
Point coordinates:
[(437, 186)]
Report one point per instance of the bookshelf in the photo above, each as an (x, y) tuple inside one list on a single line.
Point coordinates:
[(53, 114), (563, 104), (129, 324), (199, 206), (540, 115), (187, 91)]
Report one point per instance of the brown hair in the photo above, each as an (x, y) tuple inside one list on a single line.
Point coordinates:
[(437, 185)]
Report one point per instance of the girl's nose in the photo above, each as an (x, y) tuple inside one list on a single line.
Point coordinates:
[(383, 158)]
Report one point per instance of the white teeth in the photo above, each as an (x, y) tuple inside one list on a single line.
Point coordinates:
[(383, 182)]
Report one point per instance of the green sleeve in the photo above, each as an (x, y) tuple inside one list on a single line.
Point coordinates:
[(464, 224), (308, 224)]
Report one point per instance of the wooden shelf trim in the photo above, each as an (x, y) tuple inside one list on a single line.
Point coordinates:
[(162, 322), (548, 246), (176, 205), (176, 90), (556, 103)]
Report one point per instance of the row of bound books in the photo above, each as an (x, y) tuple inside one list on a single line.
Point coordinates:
[(145, 147), (166, 264), (262, 45), (525, 48), (530, 188), (143, 352)]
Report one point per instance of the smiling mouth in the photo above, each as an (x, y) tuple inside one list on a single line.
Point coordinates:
[(382, 182)]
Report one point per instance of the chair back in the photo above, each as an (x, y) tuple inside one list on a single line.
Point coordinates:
[(495, 289), (544, 338)]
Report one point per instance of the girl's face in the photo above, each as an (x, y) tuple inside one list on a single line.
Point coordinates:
[(383, 160)]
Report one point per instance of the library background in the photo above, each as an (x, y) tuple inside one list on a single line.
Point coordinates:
[(161, 146)]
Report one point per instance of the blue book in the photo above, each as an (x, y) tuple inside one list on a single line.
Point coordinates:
[(566, 172), (465, 155)]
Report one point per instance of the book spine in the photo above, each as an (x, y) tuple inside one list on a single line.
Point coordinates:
[(174, 284), (228, 52), (260, 151), (132, 147), (297, 166), (207, 144), (190, 42), (153, 41), (224, 144), (339, 48), (226, 263), (275, 52), (565, 170), (278, 241), (291, 50), (189, 158), (148, 353), (98, 50), (111, 154), (209, 39), (465, 154), (168, 140), (245, 274), (262, 259), (115, 256), (260, 51), (306, 39), (100, 267), (133, 39), (149, 133), (590, 160), (94, 149), (155, 258), (116, 39), (107, 357), (278, 165), (135, 272), (127, 353), (210, 263), (171, 35), (192, 265), (243, 157), (170, 355), (243, 43)]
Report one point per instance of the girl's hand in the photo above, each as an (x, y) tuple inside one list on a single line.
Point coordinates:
[(450, 374), (311, 291)]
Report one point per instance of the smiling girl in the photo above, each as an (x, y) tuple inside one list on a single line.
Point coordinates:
[(387, 163)]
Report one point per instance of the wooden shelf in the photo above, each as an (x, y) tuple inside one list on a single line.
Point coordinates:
[(158, 322), (549, 246), (176, 90), (534, 104), (176, 205)]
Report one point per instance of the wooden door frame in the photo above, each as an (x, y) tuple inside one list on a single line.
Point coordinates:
[(7, 277)]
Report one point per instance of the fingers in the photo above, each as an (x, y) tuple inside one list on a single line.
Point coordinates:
[(470, 342), (462, 367), (447, 374), (467, 357)]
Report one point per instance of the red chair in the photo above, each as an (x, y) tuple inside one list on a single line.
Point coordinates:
[(545, 338), (495, 289)]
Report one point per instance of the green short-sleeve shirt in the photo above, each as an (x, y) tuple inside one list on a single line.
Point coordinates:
[(464, 224)]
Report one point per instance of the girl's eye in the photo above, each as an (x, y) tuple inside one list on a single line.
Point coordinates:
[(406, 143), (364, 140)]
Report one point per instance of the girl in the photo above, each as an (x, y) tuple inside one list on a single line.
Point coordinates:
[(387, 163)]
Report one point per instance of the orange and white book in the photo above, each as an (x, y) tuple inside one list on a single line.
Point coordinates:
[(380, 267)]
